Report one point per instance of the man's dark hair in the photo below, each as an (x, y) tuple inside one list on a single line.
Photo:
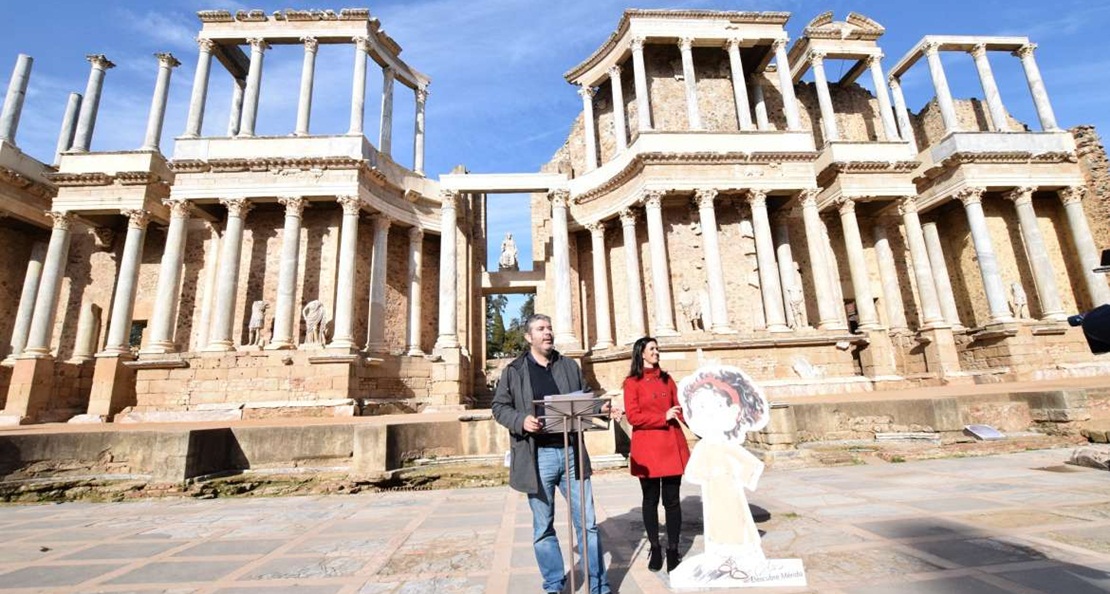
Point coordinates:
[(533, 319)]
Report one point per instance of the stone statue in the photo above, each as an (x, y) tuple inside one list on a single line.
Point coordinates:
[(257, 322), (1019, 301), (690, 307), (315, 315), (797, 307), (508, 261)]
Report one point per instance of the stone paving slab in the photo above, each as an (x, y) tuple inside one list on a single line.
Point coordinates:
[(1007, 523)]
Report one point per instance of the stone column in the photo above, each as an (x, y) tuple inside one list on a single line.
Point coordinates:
[(905, 127), (761, 121), (999, 121), (660, 271), (769, 287), (418, 124), (988, 264), (254, 87), (166, 64), (358, 88), (69, 127), (940, 84), (874, 63), (13, 101), (857, 266), (50, 285), (826, 300), (167, 293), (343, 329), (235, 114), (1052, 308), (385, 131), (739, 89), (448, 275), (560, 255), (416, 268), (27, 300), (308, 73), (601, 286), (86, 121), (828, 116), (937, 273), (693, 117), (195, 120), (619, 129), (639, 76), (285, 310), (784, 257), (1036, 87), (1072, 198), (587, 94), (123, 302), (789, 101), (221, 336), (714, 270), (379, 259), (892, 289), (632, 274)]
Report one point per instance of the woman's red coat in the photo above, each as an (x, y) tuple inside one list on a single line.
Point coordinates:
[(658, 446)]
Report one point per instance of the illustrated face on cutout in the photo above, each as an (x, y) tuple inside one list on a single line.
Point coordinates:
[(713, 415), (721, 403)]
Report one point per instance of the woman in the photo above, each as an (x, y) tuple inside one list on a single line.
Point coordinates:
[(659, 451)]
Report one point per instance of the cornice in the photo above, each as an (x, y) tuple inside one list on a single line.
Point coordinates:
[(866, 167), (13, 178), (274, 164)]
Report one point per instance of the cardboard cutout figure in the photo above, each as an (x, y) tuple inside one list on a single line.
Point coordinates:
[(721, 404)]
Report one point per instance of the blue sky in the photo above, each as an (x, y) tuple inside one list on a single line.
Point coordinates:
[(498, 101)]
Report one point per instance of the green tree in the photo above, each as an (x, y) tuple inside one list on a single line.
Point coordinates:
[(495, 324), (514, 342)]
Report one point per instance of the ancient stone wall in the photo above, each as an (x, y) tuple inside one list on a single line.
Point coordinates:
[(1096, 169), (16, 244)]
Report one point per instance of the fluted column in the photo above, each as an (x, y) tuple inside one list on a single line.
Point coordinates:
[(221, 336), (235, 113), (888, 273), (905, 127), (416, 272), (385, 132), (587, 94), (693, 117), (739, 89), (601, 286), (660, 271), (86, 121), (937, 273), (826, 300), (715, 272), (620, 131), (254, 87), (199, 97), (1036, 87), (123, 302), (824, 99), (874, 64), (940, 85), (1052, 308), (448, 271), (857, 266), (632, 275), (166, 64), (69, 127), (308, 73), (769, 287), (760, 108), (358, 86), (167, 293), (999, 121), (560, 252), (27, 299), (925, 272), (639, 76), (13, 100), (988, 263), (343, 328), (285, 310), (418, 125), (379, 258), (786, 84), (1097, 289), (50, 285)]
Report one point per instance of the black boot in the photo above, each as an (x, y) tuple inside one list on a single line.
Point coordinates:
[(672, 559), (655, 558)]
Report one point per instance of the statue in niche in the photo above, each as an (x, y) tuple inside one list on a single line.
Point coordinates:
[(797, 307), (1019, 302), (689, 305), (315, 315), (508, 260), (257, 322)]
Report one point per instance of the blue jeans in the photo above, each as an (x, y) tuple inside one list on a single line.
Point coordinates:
[(546, 544)]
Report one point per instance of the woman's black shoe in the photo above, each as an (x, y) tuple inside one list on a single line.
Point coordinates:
[(655, 559), (672, 559)]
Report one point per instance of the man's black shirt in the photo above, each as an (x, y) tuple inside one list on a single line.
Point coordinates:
[(543, 384)]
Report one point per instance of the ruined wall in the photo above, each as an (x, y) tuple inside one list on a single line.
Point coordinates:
[(16, 243), (972, 114), (1096, 169)]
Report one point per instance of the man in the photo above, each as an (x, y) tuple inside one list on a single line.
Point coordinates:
[(537, 465)]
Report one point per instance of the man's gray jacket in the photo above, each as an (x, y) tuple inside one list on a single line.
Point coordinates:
[(512, 402)]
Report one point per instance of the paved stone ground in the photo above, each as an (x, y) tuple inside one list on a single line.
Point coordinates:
[(1010, 523)]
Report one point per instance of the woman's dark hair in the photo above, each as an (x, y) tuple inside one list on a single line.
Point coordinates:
[(637, 369)]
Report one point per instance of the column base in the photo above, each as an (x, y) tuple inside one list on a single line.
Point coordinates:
[(666, 332), (377, 348), (282, 345), (446, 341), (219, 347), (30, 389), (723, 330), (1055, 317), (602, 346), (159, 348), (415, 352), (834, 326), (779, 329)]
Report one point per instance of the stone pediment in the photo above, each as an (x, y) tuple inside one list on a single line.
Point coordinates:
[(856, 26)]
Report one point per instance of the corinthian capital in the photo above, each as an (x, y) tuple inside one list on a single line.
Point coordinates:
[(808, 197), (596, 227), (757, 198), (628, 217), (637, 44), (978, 50), (705, 197), (205, 45), (686, 44), (100, 61), (294, 205), (1025, 51), (873, 61), (614, 71), (136, 218), (258, 44), (362, 42), (62, 220), (179, 208), (310, 43), (422, 93), (236, 207), (416, 235), (971, 195), (777, 45), (930, 48), (167, 60), (817, 58), (907, 205), (733, 43), (846, 205), (352, 205), (380, 222), (1072, 194), (449, 199), (586, 92), (559, 198), (652, 198), (1021, 195)]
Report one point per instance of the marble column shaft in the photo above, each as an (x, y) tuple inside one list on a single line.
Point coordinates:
[(1052, 308), (601, 286), (27, 297), (167, 293), (620, 132), (50, 285), (560, 255), (940, 85), (343, 336), (308, 74), (86, 121), (221, 337), (254, 87), (786, 84), (13, 100), (824, 99), (418, 125), (587, 94), (660, 271), (416, 273), (890, 128), (639, 76), (448, 271), (769, 287), (235, 113), (937, 274), (984, 250), (761, 120), (385, 131), (127, 280), (739, 88), (69, 127), (632, 275), (166, 64), (693, 116), (714, 270), (784, 257), (1097, 289), (1036, 87), (826, 301), (379, 259), (999, 121), (195, 120), (905, 127), (285, 310), (857, 266), (358, 85), (888, 273)]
